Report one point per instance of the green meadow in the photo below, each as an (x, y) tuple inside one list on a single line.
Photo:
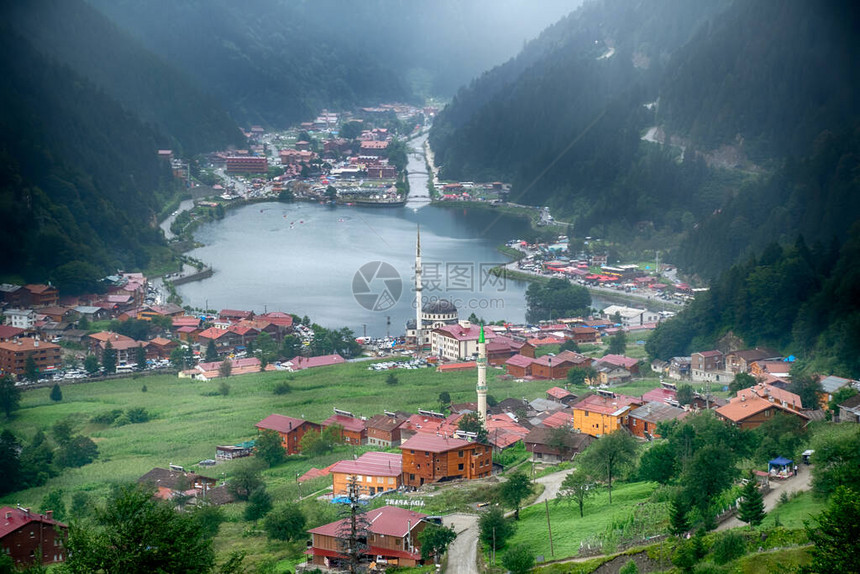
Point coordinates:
[(190, 419)]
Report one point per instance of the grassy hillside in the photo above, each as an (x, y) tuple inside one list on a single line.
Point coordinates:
[(188, 424)]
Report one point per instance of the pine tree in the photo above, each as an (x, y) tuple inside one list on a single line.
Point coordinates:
[(56, 393), (211, 352), (678, 521), (751, 509), (109, 358)]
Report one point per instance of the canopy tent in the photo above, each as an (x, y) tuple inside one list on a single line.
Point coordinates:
[(780, 467)]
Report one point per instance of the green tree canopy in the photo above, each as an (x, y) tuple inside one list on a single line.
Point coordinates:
[(513, 491), (751, 509), (285, 522), (610, 457), (618, 343), (576, 488), (270, 448), (471, 422), (211, 352), (259, 504), (495, 528), (136, 533), (10, 395), (835, 534), (109, 358), (31, 372), (554, 299), (519, 560), (56, 393), (579, 375), (836, 460), (434, 541)]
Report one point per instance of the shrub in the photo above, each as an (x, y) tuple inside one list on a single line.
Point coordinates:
[(728, 547), (137, 415), (106, 418), (282, 388)]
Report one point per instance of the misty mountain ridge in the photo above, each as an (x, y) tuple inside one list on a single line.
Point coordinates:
[(565, 124)]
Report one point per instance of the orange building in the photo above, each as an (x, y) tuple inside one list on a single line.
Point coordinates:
[(430, 458), (374, 472), (291, 430), (753, 406), (13, 355), (602, 413)]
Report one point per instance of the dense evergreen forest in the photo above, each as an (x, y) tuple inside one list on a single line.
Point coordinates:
[(79, 173), (762, 81), (798, 299), (83, 110)]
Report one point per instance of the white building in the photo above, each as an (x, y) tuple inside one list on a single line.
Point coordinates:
[(20, 318), (630, 316)]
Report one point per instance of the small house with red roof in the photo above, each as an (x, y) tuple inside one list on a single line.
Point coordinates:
[(626, 363), (291, 430), (374, 472), (519, 366), (559, 394), (556, 366), (383, 430), (29, 538), (430, 458), (581, 334), (352, 431), (300, 363), (392, 539), (234, 315), (756, 405)]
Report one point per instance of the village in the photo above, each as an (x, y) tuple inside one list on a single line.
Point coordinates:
[(587, 376), (586, 393)]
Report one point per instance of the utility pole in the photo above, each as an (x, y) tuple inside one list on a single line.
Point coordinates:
[(549, 529)]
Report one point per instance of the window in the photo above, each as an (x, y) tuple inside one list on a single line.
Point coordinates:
[(460, 454), (460, 466)]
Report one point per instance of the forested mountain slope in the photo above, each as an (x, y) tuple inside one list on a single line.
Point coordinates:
[(769, 78), (798, 299), (73, 33), (79, 174), (564, 123)]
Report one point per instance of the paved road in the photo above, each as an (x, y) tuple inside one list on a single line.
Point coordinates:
[(801, 482), (463, 552)]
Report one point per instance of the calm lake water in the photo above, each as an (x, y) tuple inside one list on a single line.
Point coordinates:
[(309, 259)]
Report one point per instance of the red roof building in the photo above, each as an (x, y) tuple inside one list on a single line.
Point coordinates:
[(353, 430), (383, 430), (300, 363), (29, 538), (557, 366), (13, 356), (631, 365), (374, 472), (291, 430), (392, 536), (519, 366)]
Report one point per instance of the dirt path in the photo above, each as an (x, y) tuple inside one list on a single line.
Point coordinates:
[(552, 484), (463, 552), (801, 482)]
